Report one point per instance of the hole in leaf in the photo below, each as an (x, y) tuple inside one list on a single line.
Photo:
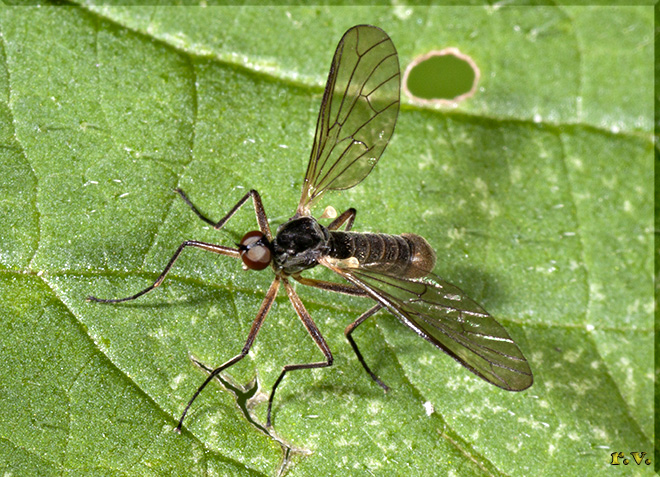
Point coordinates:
[(446, 76)]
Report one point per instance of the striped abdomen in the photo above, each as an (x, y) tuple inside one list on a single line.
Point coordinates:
[(405, 255)]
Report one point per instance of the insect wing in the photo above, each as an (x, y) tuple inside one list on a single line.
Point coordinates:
[(358, 113), (442, 314)]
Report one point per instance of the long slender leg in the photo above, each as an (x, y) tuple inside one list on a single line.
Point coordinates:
[(232, 252), (347, 216), (314, 332), (331, 286), (262, 220), (348, 290), (349, 330), (256, 325)]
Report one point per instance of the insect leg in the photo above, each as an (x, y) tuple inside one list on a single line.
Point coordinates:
[(262, 220), (256, 324), (331, 286), (232, 252), (349, 329), (347, 216), (316, 336)]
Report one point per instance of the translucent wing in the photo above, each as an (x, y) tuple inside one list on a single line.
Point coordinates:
[(358, 113), (442, 314)]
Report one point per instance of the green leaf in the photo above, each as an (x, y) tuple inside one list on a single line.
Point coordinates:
[(536, 194)]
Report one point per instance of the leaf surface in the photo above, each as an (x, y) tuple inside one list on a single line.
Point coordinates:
[(536, 194)]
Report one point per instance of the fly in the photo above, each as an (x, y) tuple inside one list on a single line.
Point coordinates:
[(359, 109)]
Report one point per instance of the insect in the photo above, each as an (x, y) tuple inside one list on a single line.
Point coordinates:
[(359, 109)]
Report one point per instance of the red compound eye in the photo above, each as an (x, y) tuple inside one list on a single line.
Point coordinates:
[(254, 250)]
